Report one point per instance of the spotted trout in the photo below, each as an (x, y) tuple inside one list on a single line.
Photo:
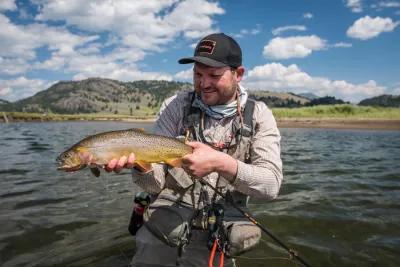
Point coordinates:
[(97, 150)]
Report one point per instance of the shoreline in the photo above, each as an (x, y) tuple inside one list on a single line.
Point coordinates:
[(340, 123), (326, 123)]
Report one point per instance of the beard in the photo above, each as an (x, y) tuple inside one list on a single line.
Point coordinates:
[(218, 96)]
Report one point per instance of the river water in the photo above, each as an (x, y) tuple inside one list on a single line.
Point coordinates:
[(339, 204)]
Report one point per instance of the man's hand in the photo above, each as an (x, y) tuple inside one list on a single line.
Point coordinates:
[(205, 160), (117, 165)]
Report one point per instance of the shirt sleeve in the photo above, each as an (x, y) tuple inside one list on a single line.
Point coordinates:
[(168, 124), (262, 178)]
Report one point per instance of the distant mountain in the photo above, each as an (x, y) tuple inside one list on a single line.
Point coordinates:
[(139, 98), (308, 95), (326, 100), (277, 99), (96, 95), (382, 101), (4, 105)]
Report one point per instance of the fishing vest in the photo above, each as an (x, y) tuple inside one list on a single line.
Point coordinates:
[(239, 147), (179, 207)]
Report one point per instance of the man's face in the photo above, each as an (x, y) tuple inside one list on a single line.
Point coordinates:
[(216, 86)]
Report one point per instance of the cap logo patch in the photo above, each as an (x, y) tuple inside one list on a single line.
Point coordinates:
[(206, 46)]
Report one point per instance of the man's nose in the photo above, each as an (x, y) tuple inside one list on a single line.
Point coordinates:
[(205, 82)]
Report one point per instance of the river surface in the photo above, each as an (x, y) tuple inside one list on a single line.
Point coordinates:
[(339, 204)]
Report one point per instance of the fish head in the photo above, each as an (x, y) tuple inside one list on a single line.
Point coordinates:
[(70, 160)]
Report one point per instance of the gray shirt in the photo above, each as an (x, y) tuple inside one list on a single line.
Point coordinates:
[(260, 179)]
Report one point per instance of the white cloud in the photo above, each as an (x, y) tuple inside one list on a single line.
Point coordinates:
[(147, 25), (7, 5), (308, 15), (278, 77), (367, 27), (395, 91), (19, 44), (342, 45), (118, 65), (244, 32), (185, 75), (4, 91), (293, 47), (129, 30), (13, 66), (355, 5), (21, 41), (280, 30), (389, 4), (21, 87)]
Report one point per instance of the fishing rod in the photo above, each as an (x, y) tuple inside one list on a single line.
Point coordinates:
[(292, 253)]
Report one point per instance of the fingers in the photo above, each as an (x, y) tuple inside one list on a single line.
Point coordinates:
[(120, 164), (117, 165), (195, 144), (111, 165), (130, 163)]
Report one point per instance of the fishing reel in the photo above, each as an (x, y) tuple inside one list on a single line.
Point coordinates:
[(140, 203), (215, 224)]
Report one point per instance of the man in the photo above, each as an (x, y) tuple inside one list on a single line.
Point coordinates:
[(236, 147)]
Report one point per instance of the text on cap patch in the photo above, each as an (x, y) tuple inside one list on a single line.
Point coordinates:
[(206, 46)]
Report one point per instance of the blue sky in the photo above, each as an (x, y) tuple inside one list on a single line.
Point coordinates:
[(344, 48)]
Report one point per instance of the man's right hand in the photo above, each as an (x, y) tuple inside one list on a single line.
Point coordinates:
[(117, 165)]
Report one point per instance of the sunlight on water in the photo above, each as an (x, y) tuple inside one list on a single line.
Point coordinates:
[(338, 206)]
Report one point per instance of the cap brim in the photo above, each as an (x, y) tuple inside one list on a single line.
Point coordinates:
[(203, 60)]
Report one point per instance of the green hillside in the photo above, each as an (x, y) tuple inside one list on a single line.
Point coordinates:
[(102, 96), (382, 101)]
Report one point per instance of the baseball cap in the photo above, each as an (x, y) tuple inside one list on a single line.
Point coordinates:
[(216, 50)]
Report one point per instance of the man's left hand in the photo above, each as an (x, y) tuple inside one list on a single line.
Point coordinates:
[(205, 160)]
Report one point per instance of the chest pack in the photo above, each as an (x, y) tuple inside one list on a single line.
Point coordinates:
[(242, 129)]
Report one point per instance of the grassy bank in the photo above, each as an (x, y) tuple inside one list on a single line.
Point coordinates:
[(338, 111), (25, 116), (350, 112)]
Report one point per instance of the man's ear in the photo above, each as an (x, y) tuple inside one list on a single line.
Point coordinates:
[(239, 73)]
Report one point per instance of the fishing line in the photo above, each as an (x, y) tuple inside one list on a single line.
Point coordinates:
[(292, 253)]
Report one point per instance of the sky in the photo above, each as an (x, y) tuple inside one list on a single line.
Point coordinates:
[(349, 49)]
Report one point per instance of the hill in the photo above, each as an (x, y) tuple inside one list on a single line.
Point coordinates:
[(309, 95), (96, 95), (2, 102), (138, 98), (278, 99), (326, 100), (382, 101)]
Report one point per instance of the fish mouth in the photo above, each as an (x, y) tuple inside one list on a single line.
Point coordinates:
[(69, 168)]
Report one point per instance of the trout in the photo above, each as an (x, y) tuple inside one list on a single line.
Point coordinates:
[(97, 150)]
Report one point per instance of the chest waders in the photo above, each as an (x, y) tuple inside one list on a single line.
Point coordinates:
[(177, 210)]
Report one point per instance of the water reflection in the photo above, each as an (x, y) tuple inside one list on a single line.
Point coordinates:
[(338, 204)]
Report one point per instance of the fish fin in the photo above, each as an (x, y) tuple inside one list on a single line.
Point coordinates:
[(82, 149), (140, 130), (143, 166), (181, 138), (177, 162), (95, 171)]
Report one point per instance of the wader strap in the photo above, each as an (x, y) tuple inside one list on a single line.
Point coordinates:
[(239, 146), (248, 127)]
